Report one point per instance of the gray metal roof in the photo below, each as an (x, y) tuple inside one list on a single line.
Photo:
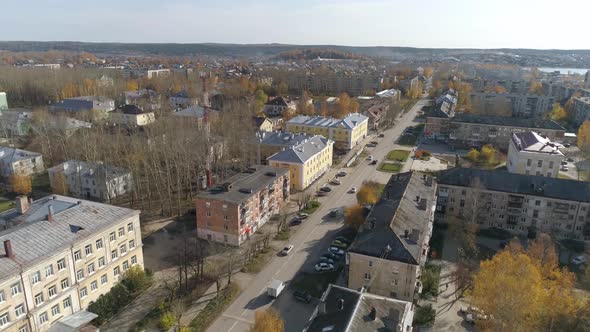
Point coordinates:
[(34, 239), (507, 121), (530, 141), (90, 169), (302, 152), (284, 139), (349, 122), (12, 155), (73, 322)]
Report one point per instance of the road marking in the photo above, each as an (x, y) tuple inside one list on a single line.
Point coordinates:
[(238, 319)]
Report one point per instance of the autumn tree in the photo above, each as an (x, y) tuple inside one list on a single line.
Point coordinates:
[(131, 85), (536, 88), (473, 155), (261, 99), (354, 216), (59, 185), (268, 320), (558, 113), (21, 184), (369, 192), (584, 136), (342, 106), (496, 89), (428, 71)]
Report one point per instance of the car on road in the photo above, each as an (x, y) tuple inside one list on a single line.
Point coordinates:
[(564, 168), (370, 145), (334, 213), (335, 182), (563, 162), (374, 142), (302, 296), (352, 190), (374, 162), (302, 215), (321, 194), (578, 260), (336, 251), (275, 288), (370, 158), (287, 250), (343, 239), (339, 244), (324, 267), (341, 174), (571, 160), (326, 189), (567, 145), (325, 259), (382, 135), (295, 221), (331, 256)]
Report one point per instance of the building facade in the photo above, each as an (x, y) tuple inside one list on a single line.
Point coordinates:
[(530, 153), (85, 103), (19, 162), (232, 212), (346, 133), (276, 106), (581, 109), (268, 143), (132, 116), (64, 254), (511, 104)]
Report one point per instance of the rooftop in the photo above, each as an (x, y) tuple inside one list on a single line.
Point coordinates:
[(130, 109), (285, 139), (89, 169), (278, 101), (241, 186), (530, 141), (12, 155), (302, 152), (585, 100), (257, 121), (349, 122), (507, 121), (401, 220), (33, 238), (569, 190), (194, 111)]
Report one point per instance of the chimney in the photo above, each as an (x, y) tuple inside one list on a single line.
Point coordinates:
[(8, 249), (22, 204), (422, 204), (50, 213), (340, 304), (417, 198), (373, 314), (322, 308), (406, 233)]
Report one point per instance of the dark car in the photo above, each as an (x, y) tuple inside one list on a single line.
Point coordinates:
[(302, 296), (321, 194), (381, 135), (571, 160), (295, 222), (326, 189), (332, 256), (374, 162)]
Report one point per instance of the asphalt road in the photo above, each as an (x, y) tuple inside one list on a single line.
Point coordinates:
[(310, 242)]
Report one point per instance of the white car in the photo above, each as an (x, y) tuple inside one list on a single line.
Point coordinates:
[(335, 182), (564, 168), (287, 250), (336, 251), (324, 267), (370, 158), (579, 260), (352, 190)]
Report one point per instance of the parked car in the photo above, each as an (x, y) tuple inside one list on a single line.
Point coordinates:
[(564, 168), (287, 250), (578, 260), (335, 182), (571, 160), (332, 256), (324, 267), (382, 135), (370, 158), (352, 190), (295, 221), (567, 145), (324, 259), (334, 213), (370, 145), (321, 194), (336, 251), (374, 142), (302, 215), (563, 162), (374, 162), (341, 174), (326, 189), (339, 244), (343, 240), (302, 296)]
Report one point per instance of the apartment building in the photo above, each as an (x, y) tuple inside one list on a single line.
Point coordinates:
[(85, 103), (59, 255), (132, 116), (531, 153), (522, 204), (390, 249), (276, 106), (512, 104), (587, 80), (346, 133), (230, 213), (3, 102), (20, 162), (268, 143), (306, 162), (581, 109), (347, 310), (89, 180), (182, 100), (334, 83)]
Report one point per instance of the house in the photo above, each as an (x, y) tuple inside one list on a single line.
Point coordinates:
[(15, 122), (182, 100), (392, 94), (230, 213), (346, 310), (346, 133), (105, 81), (146, 98), (132, 116), (306, 161), (85, 103), (519, 203), (60, 254), (531, 153), (376, 114), (276, 106), (261, 123), (268, 143), (389, 252), (199, 113), (90, 180), (19, 162)]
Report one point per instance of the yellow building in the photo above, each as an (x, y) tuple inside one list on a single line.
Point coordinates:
[(306, 162), (262, 124), (346, 133)]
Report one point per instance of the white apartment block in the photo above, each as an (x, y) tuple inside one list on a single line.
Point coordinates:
[(531, 153), (20, 162), (59, 255)]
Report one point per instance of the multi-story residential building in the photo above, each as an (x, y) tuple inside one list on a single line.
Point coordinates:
[(19, 162), (86, 103), (390, 249), (346, 133), (132, 116), (59, 255), (306, 161), (531, 153), (511, 104), (268, 143), (3, 102), (233, 211), (89, 180), (587, 80), (334, 83), (581, 109), (469, 130), (278, 105), (347, 310), (522, 204)]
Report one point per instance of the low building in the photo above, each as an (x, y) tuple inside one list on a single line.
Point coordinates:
[(268, 143), (19, 122), (86, 103), (59, 255), (198, 113), (522, 204), (306, 162), (388, 254), (145, 98), (261, 123), (182, 100), (230, 213), (581, 109), (89, 180), (530, 153), (346, 310), (346, 133), (376, 114), (19, 162), (132, 116), (278, 105)]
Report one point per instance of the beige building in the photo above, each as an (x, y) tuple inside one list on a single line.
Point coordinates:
[(132, 116), (521, 204), (390, 249), (346, 133), (59, 255), (20, 162), (530, 153)]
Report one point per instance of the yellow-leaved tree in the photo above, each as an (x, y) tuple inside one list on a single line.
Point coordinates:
[(59, 185), (369, 192), (558, 113), (354, 216), (584, 136), (267, 321), (21, 184)]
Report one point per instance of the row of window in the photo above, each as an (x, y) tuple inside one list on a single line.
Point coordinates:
[(104, 277), (90, 268), (20, 311), (99, 245)]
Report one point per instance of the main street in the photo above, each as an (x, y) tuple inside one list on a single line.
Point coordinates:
[(310, 242)]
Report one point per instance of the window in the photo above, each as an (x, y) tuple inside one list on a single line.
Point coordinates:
[(88, 250), (39, 299), (100, 262), (23, 329), (16, 289), (116, 271), (93, 286), (98, 244), (80, 274), (551, 164), (535, 213), (130, 227), (540, 163), (133, 260), (123, 249), (67, 303), (529, 162), (2, 293), (114, 254), (103, 279), (90, 268), (43, 318), (77, 255), (208, 213), (19, 310), (112, 236), (4, 319), (370, 263), (52, 291), (36, 277), (125, 266), (131, 244), (121, 231), (61, 264), (537, 203), (49, 270), (83, 292), (65, 283), (55, 310), (367, 276)]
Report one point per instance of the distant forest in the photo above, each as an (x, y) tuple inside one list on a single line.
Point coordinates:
[(314, 53)]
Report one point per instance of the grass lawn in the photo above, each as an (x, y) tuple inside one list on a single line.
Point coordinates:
[(311, 207), (282, 235), (255, 265), (315, 283), (398, 155), (408, 140), (215, 308), (6, 205), (390, 167)]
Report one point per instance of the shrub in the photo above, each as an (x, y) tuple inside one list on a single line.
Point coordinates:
[(136, 279), (167, 321), (424, 315)]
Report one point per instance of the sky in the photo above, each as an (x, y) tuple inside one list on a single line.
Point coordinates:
[(540, 24)]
